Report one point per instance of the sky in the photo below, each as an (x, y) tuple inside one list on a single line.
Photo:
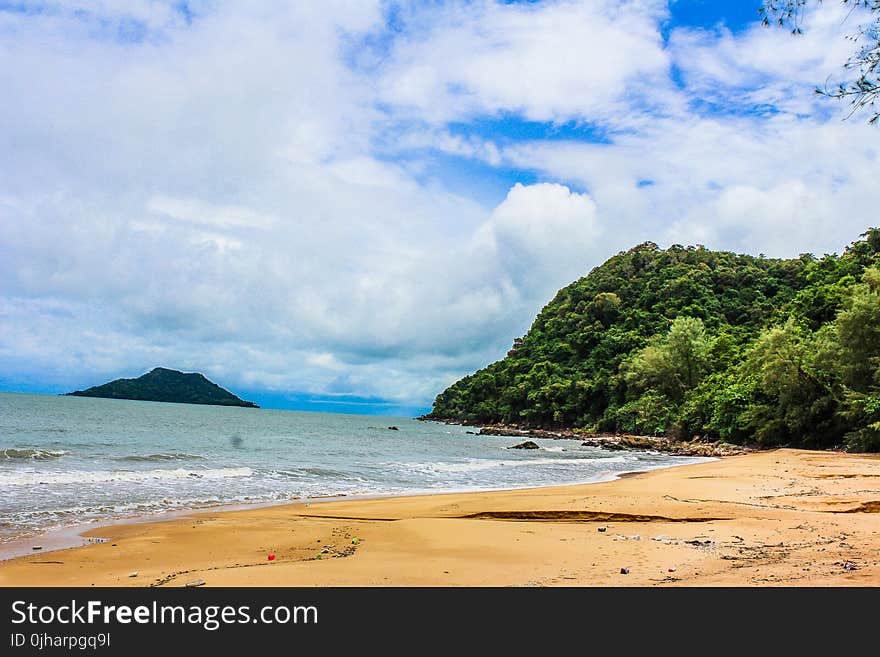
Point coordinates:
[(348, 205)]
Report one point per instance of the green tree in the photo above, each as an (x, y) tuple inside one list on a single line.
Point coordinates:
[(794, 400), (674, 363), (858, 331), (858, 328)]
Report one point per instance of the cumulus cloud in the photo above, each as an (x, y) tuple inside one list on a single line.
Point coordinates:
[(542, 236), (253, 191), (780, 186), (554, 61)]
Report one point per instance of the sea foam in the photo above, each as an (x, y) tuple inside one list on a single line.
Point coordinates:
[(107, 476), (479, 465), (173, 456)]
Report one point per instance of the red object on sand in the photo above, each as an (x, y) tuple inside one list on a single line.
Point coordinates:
[(271, 556)]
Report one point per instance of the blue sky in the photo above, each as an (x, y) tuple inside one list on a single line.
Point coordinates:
[(735, 15), (349, 205)]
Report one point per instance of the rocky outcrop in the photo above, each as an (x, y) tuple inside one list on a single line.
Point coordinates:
[(618, 442), (698, 446), (526, 445)]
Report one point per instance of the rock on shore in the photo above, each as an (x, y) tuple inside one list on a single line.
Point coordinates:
[(526, 445)]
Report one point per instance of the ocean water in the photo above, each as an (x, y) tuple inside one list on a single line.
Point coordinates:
[(70, 460)]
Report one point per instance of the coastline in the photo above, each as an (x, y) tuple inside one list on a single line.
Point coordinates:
[(697, 446), (78, 534), (782, 517)]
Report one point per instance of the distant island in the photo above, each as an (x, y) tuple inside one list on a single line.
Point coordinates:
[(164, 385)]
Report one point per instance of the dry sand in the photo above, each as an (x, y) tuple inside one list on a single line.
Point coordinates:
[(784, 517)]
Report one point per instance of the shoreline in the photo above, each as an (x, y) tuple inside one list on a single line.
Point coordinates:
[(697, 446), (77, 534), (782, 517)]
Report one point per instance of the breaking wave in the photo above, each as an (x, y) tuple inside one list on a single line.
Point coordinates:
[(176, 456), (32, 454), (478, 465), (107, 476)]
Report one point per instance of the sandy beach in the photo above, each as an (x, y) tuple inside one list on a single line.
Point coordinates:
[(783, 517)]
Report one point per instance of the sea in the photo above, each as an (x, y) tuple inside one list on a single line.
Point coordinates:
[(72, 461)]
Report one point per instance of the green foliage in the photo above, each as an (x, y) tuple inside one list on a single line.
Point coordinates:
[(794, 399), (859, 333), (687, 341), (673, 363), (863, 413)]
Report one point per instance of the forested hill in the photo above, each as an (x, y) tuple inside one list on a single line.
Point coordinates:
[(164, 385), (687, 341)]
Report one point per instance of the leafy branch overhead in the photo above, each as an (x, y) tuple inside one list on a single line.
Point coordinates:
[(863, 88)]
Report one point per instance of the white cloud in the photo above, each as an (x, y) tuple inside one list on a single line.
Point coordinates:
[(768, 66), (543, 236), (196, 211), (557, 61), (780, 185)]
